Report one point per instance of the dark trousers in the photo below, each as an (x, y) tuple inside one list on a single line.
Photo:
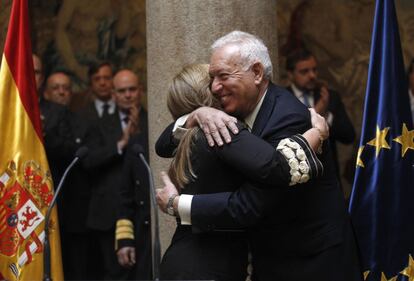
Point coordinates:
[(109, 267), (75, 255)]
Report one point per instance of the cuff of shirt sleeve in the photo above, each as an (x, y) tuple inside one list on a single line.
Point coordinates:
[(179, 129), (184, 208), (180, 122)]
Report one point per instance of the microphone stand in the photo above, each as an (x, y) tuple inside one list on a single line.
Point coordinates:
[(46, 245), (156, 255)]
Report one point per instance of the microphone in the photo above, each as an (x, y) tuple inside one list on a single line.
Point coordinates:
[(79, 154), (156, 247)]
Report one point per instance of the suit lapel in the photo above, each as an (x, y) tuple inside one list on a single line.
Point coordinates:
[(289, 88), (265, 111), (114, 123)]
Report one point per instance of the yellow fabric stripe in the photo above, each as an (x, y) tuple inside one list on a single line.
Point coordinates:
[(19, 143), (124, 229), (124, 222), (124, 236)]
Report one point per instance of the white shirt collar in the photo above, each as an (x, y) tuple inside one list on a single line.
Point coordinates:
[(249, 120), (99, 106), (122, 116), (299, 94)]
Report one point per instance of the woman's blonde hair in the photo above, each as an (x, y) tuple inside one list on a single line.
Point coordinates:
[(188, 91)]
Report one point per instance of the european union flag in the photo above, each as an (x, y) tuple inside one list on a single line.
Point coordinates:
[(382, 201)]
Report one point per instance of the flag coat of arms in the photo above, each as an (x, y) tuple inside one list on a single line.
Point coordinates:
[(381, 205), (26, 187)]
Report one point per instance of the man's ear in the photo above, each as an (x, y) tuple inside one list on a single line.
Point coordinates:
[(258, 71)]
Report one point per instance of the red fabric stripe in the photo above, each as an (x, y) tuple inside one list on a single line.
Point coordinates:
[(18, 53)]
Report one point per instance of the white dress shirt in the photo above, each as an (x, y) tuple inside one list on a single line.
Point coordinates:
[(311, 100), (99, 106)]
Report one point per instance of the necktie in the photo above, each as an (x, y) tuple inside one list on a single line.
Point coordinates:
[(306, 99), (105, 110)]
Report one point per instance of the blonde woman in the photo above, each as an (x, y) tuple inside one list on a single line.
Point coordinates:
[(198, 168)]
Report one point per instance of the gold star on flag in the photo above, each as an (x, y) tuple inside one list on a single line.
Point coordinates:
[(380, 141), (406, 140), (409, 270), (394, 278), (383, 277), (366, 273), (359, 162)]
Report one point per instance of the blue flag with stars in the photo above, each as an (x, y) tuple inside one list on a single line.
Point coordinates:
[(382, 199)]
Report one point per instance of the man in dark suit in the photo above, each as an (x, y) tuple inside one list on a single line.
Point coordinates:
[(102, 103), (58, 88), (302, 69), (59, 145), (107, 146), (133, 230), (75, 195), (296, 233), (133, 227)]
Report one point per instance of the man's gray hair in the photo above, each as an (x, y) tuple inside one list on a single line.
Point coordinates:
[(252, 50)]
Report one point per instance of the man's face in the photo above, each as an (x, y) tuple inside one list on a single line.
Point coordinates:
[(234, 87), (305, 74), (127, 92), (101, 83), (58, 88), (38, 70)]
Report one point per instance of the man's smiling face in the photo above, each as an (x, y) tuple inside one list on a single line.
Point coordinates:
[(231, 83)]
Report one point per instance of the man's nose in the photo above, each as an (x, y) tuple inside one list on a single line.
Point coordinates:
[(216, 86), (313, 74), (61, 90)]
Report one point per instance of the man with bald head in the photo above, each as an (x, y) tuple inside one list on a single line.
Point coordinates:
[(127, 95), (133, 225), (111, 135)]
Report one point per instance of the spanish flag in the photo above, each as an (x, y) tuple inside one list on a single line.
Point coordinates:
[(26, 188)]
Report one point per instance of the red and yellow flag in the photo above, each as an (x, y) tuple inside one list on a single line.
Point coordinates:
[(26, 187)]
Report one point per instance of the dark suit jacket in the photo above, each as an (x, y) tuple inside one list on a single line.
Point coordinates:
[(221, 255), (297, 233), (76, 192), (89, 113), (105, 163), (135, 206), (59, 144), (341, 129)]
